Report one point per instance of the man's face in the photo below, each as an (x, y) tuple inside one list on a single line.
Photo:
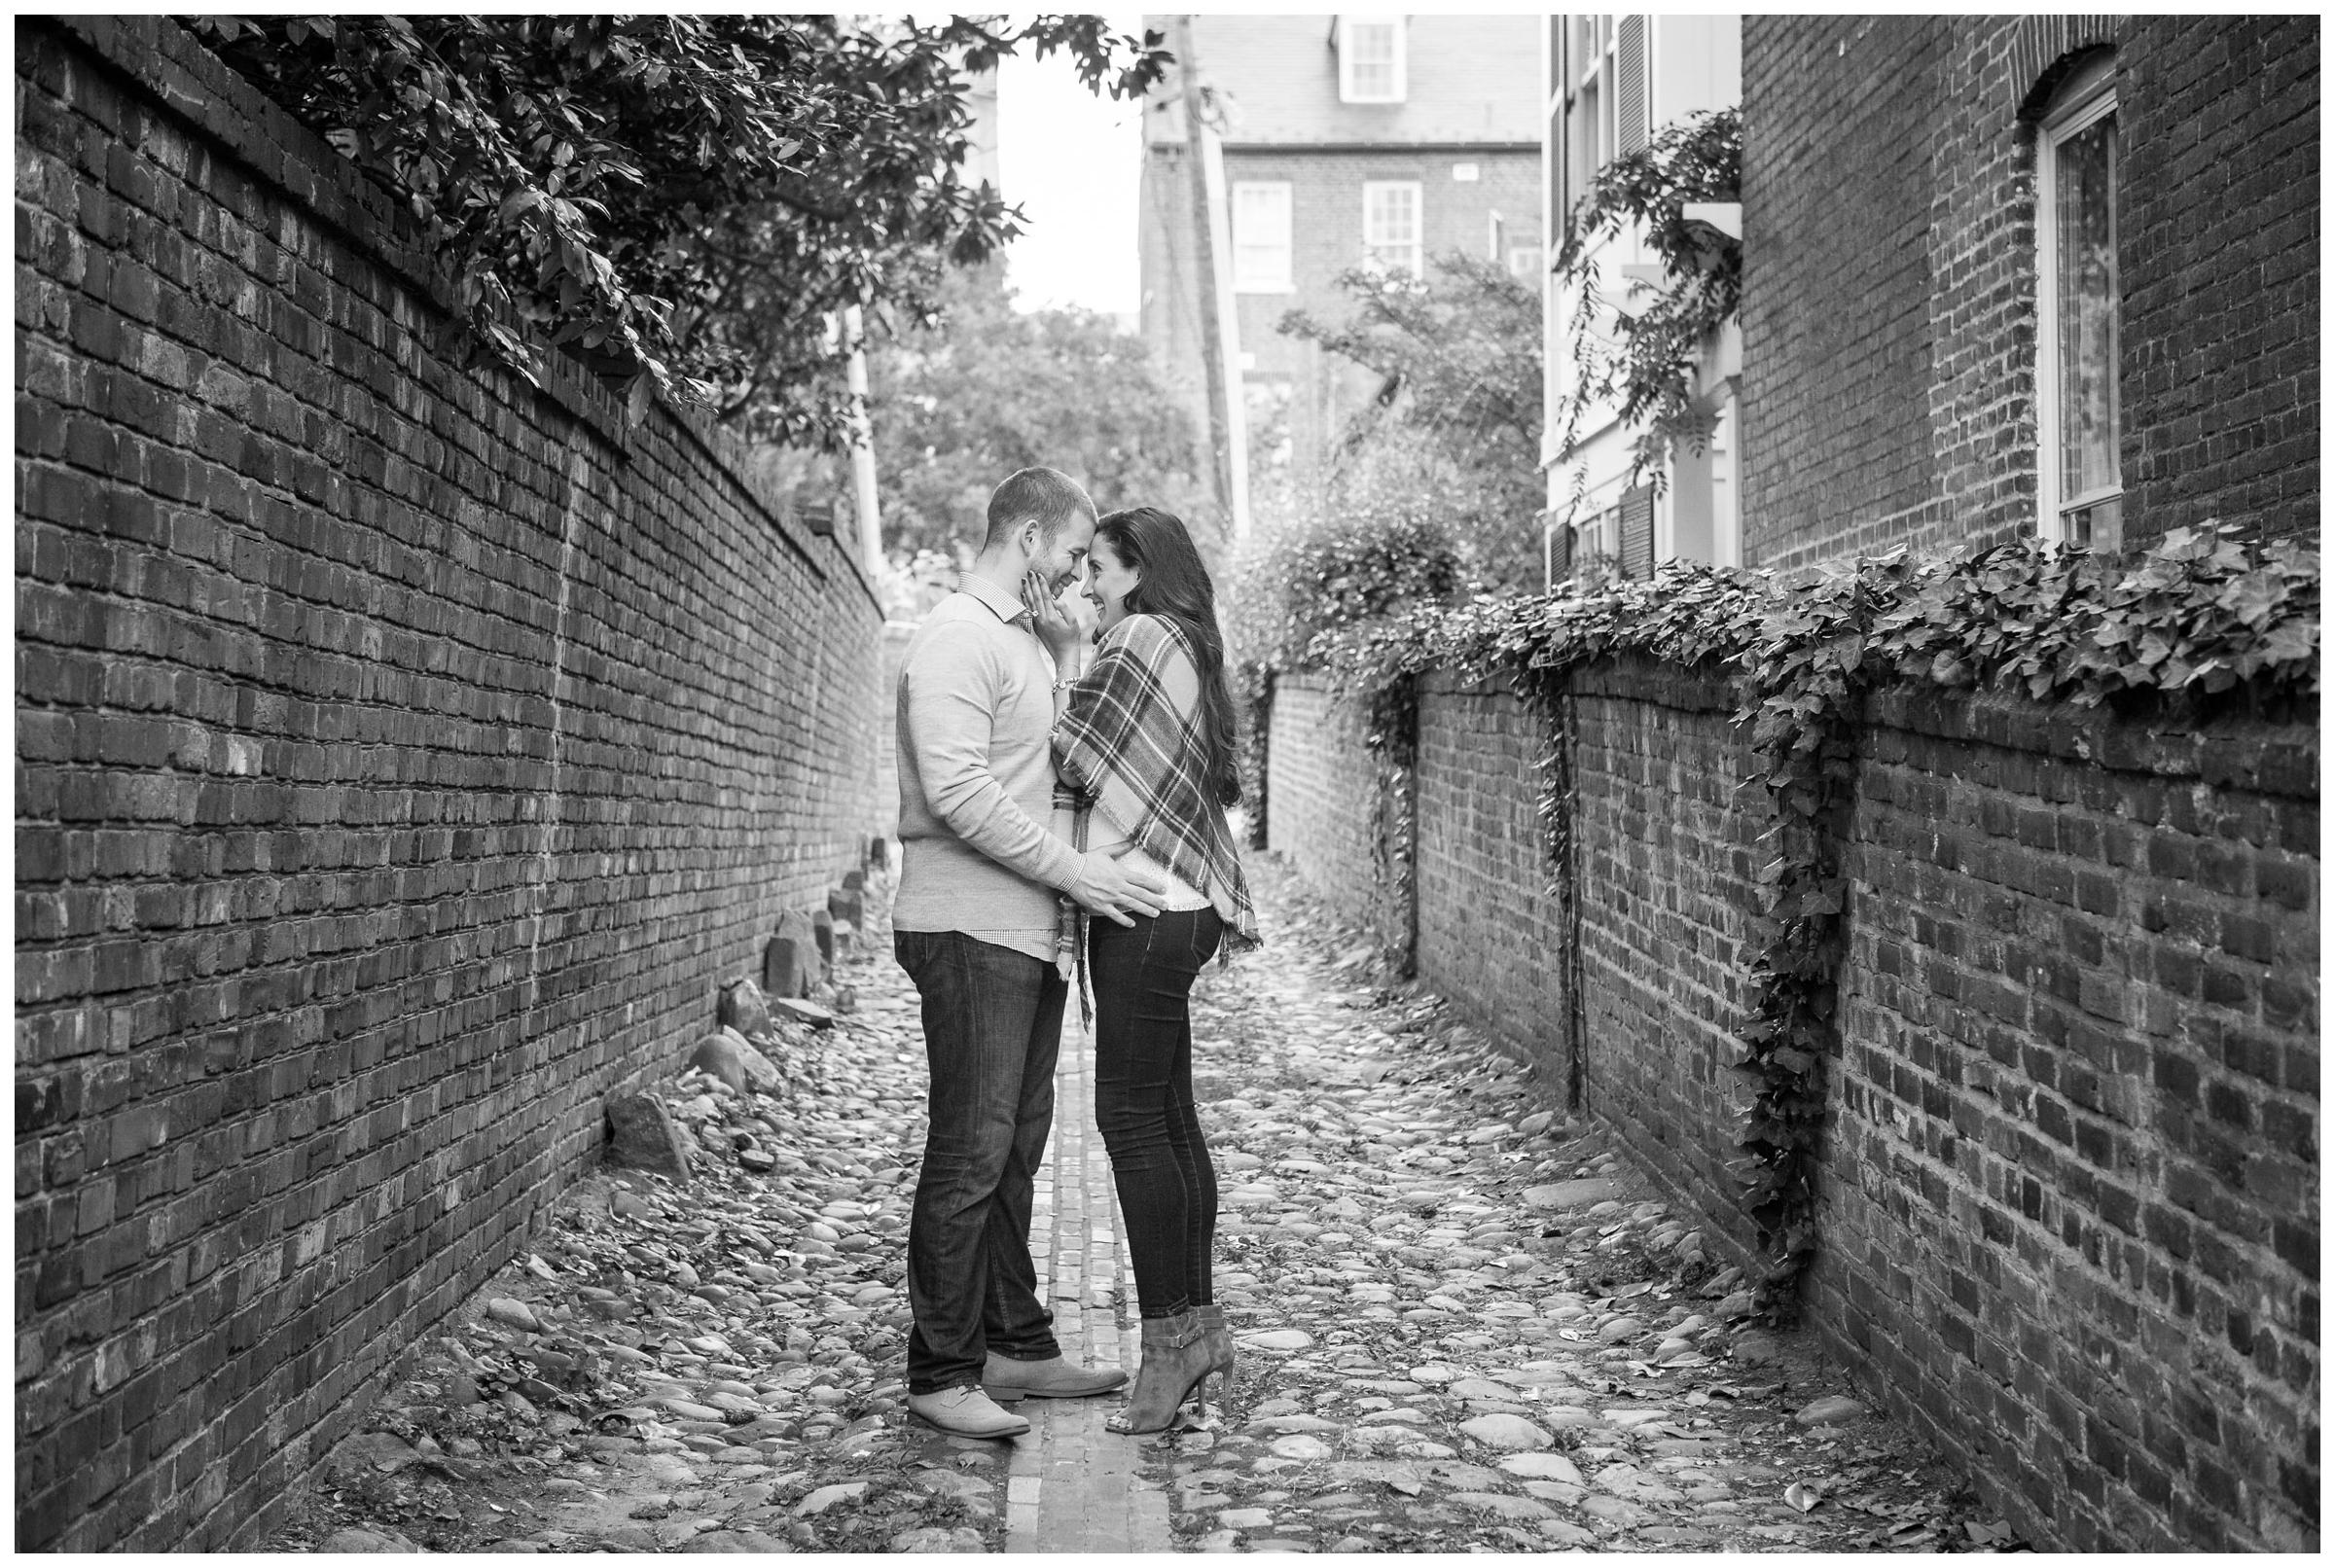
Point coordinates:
[(1061, 560)]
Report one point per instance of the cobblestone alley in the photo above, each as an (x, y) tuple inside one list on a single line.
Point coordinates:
[(1466, 1327)]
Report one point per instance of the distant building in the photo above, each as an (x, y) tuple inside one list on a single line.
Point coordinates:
[(1614, 81), (981, 133), (2018, 275), (1346, 141)]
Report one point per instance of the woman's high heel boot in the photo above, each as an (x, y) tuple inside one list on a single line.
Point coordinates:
[(1176, 1358), (1221, 1353)]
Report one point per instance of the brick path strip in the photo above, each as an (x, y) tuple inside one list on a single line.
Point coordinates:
[(1073, 1487)]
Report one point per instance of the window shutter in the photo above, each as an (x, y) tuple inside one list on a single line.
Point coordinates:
[(1637, 532), (1557, 540), (1629, 59)]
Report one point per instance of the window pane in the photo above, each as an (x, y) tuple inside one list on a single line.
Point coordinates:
[(1370, 50), (2084, 183), (1585, 130), (1260, 236), (1390, 224)]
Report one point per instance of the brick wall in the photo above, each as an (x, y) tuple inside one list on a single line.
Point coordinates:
[(2220, 256), (2068, 1223), (1489, 936), (1319, 804), (1667, 891), (1889, 286), (403, 757), (2070, 1188), (1838, 357)]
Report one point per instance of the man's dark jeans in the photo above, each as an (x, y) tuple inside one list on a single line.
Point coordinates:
[(992, 1028)]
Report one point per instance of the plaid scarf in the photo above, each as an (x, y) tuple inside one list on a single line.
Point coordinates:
[(1129, 747)]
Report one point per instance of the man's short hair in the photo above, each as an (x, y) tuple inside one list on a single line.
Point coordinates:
[(1047, 494)]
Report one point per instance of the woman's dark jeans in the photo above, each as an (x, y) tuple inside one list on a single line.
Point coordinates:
[(1142, 977), (992, 1029)]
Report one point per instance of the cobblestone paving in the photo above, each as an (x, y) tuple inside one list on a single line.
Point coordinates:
[(1466, 1325)]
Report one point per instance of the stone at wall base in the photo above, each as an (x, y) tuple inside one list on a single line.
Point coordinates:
[(807, 967), (787, 966), (730, 1057), (642, 1136), (742, 1007), (802, 1011)]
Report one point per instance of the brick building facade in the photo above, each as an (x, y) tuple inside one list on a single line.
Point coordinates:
[(404, 756), (1903, 379), (1456, 128)]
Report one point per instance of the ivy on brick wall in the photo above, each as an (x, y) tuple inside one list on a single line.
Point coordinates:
[(2202, 623)]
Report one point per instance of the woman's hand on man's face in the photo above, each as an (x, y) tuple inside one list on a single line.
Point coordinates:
[(1048, 616)]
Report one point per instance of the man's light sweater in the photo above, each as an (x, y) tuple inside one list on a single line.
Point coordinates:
[(976, 705)]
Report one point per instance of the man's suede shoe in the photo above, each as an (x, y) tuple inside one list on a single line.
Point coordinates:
[(967, 1413), (1003, 1377)]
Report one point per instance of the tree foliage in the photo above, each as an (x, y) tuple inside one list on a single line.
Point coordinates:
[(1457, 418), (1296, 587), (680, 201), (959, 405), (1641, 352)]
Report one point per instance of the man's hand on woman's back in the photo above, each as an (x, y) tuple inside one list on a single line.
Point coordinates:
[(1107, 888)]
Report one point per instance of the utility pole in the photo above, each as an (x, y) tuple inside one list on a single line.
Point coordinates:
[(863, 444), (1218, 331)]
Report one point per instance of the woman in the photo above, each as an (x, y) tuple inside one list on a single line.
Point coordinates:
[(1144, 747)]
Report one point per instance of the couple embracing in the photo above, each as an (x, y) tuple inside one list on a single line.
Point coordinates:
[(1062, 809)]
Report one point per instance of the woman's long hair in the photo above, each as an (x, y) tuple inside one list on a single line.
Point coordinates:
[(1176, 584)]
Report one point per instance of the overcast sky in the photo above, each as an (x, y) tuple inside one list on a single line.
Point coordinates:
[(1069, 160)]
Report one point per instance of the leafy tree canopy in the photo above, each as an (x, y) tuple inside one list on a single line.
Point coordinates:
[(681, 200), (958, 407), (1456, 422)]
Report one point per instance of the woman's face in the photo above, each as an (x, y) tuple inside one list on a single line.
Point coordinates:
[(1109, 581)]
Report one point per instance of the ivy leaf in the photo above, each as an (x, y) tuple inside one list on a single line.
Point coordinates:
[(2253, 597)]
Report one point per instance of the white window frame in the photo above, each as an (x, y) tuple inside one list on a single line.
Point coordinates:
[(2082, 102), (1399, 62), (1262, 264), (1418, 225), (1588, 97)]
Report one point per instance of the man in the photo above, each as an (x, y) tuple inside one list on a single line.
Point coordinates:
[(974, 924)]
